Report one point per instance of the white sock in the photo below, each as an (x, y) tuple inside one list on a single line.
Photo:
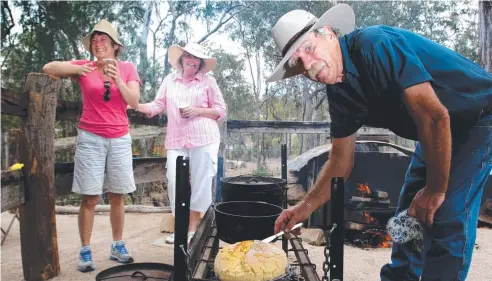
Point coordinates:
[(114, 242)]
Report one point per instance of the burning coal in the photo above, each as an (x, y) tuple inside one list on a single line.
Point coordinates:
[(364, 190)]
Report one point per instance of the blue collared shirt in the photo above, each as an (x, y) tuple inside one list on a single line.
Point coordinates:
[(381, 61)]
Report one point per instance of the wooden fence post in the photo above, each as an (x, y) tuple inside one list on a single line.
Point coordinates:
[(39, 245)]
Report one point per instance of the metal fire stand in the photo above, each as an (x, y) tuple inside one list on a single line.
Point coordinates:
[(283, 161), (182, 218), (335, 237)]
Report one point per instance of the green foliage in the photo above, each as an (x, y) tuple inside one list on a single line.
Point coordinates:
[(261, 172), (52, 30)]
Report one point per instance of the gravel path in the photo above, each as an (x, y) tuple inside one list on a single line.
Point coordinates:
[(142, 229)]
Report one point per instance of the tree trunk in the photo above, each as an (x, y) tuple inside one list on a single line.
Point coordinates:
[(485, 35), (37, 215), (142, 45), (167, 43)]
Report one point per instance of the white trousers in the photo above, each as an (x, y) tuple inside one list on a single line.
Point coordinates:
[(203, 168)]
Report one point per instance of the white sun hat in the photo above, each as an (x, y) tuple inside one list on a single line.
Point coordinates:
[(175, 52), (291, 29)]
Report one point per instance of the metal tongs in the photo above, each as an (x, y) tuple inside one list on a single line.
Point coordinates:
[(271, 238)]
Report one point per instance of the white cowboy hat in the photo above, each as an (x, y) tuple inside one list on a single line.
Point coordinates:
[(291, 29), (175, 52), (106, 27)]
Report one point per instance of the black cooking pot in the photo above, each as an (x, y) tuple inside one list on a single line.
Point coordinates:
[(245, 220), (253, 188)]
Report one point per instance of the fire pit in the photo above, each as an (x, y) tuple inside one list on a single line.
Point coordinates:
[(366, 216), (203, 270)]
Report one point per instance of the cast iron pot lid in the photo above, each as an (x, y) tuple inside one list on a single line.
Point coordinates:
[(137, 272)]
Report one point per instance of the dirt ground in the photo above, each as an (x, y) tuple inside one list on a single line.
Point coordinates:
[(142, 229)]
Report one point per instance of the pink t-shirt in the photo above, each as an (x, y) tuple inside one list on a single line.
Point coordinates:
[(107, 119)]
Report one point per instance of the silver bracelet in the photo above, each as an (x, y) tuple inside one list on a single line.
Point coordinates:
[(309, 205)]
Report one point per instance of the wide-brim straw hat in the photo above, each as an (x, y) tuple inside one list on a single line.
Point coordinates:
[(105, 27), (291, 29), (175, 52)]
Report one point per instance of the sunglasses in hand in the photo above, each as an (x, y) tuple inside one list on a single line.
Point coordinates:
[(107, 95)]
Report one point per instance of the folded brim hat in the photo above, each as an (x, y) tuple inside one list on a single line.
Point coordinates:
[(103, 26)]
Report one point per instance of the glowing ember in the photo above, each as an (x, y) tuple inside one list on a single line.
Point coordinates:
[(364, 190), (379, 239), (371, 238), (386, 243), (368, 218)]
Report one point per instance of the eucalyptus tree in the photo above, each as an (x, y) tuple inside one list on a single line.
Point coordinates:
[(485, 47)]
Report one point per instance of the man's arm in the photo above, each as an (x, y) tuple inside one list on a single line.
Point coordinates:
[(434, 133), (339, 164)]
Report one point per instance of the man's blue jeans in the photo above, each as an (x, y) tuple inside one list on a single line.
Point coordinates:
[(450, 241)]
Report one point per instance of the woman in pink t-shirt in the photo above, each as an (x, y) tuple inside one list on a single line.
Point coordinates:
[(103, 155)]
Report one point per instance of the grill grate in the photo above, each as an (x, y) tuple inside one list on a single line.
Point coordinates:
[(301, 270)]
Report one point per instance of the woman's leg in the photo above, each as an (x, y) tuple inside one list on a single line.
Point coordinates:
[(203, 168), (88, 179), (86, 218), (172, 155), (119, 181), (117, 215)]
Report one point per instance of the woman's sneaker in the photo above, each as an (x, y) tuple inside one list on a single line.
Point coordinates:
[(119, 253), (85, 260), (190, 236), (170, 239)]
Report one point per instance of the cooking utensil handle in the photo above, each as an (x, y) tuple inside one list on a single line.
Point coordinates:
[(296, 226), (281, 233)]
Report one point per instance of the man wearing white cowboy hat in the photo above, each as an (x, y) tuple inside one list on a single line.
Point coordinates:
[(194, 105), (391, 78), (103, 155)]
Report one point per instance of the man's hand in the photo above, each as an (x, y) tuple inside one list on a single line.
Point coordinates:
[(290, 217), (190, 112), (425, 204), (82, 70)]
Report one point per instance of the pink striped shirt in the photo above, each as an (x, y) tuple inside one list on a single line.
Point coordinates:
[(202, 92)]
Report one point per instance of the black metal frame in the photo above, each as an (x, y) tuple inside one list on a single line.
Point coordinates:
[(182, 217), (283, 162), (182, 260), (336, 239)]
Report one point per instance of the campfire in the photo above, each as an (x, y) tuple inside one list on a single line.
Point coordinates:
[(366, 216), (364, 190)]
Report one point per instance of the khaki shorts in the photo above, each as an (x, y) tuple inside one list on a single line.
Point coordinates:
[(103, 163)]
